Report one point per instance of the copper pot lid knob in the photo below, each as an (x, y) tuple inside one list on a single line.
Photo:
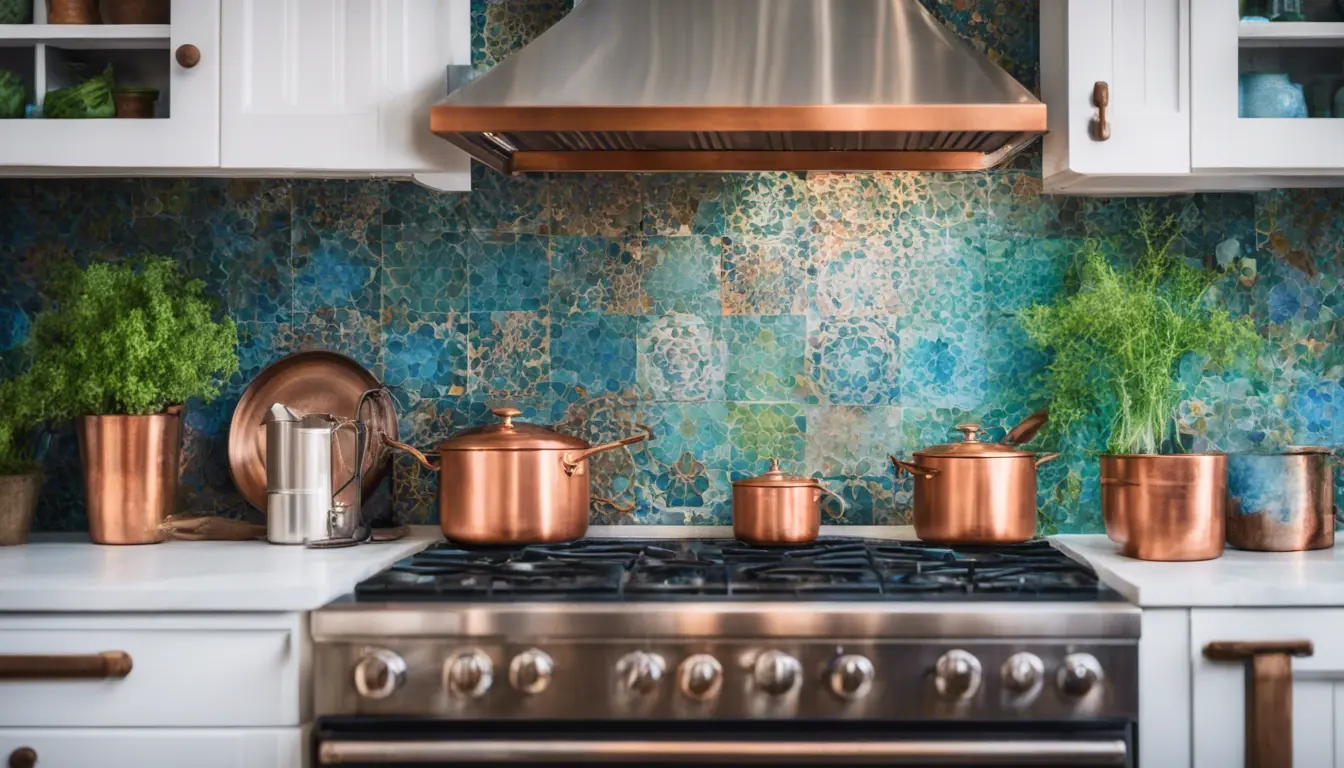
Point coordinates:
[(970, 433), (507, 414)]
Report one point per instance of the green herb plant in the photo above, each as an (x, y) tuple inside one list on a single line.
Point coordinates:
[(90, 98), (1118, 336), (18, 409), (13, 95), (127, 339)]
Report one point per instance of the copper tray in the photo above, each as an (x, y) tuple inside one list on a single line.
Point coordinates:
[(312, 382)]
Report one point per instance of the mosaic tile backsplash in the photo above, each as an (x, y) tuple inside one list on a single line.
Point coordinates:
[(823, 319)]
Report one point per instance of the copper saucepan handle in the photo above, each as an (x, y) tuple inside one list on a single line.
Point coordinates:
[(108, 665), (928, 473), (1027, 428), (572, 459), (839, 499), (420, 457), (1046, 458)]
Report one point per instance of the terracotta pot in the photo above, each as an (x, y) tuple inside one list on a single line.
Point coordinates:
[(130, 474), (514, 483), (135, 102), (1165, 507), (73, 12), (778, 508), (18, 500), (137, 11)]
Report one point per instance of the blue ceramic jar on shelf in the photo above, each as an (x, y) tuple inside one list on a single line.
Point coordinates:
[(1270, 94)]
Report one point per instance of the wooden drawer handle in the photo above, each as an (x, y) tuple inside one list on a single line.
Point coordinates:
[(23, 757), (1100, 126), (94, 666), (1269, 695)]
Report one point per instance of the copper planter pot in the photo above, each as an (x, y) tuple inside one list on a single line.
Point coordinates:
[(1165, 507), (778, 508), (131, 468), (1281, 502), (18, 501)]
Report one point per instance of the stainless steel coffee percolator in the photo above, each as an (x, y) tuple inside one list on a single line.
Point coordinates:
[(311, 498)]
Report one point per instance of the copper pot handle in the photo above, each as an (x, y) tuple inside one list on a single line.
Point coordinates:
[(928, 473), (108, 665), (1269, 695), (572, 459), (840, 499), (420, 457), (1046, 458), (1027, 428)]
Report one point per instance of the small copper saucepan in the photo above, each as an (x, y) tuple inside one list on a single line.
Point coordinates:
[(973, 492), (778, 508), (514, 483)]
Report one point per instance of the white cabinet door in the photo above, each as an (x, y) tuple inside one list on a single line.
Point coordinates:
[(1222, 140), (1139, 48), (339, 84), (188, 137), (157, 747), (1219, 687)]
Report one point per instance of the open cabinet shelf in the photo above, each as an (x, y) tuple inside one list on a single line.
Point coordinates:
[(1291, 34), (87, 36)]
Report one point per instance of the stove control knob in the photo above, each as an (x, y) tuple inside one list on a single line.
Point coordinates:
[(1079, 674), (530, 671), (776, 672), (1022, 672), (956, 675), (850, 676), (379, 673), (469, 674), (640, 671), (700, 677)]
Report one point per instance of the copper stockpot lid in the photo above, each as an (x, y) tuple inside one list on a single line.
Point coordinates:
[(508, 435), (777, 478), (971, 447)]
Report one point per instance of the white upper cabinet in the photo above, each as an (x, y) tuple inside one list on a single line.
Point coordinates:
[(1134, 54), (180, 60), (1268, 60), (339, 85)]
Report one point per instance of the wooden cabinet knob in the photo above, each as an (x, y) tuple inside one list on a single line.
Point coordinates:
[(188, 56), (23, 757), (1269, 695)]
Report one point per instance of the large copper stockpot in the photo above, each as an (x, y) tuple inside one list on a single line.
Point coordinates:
[(778, 508), (1165, 507), (974, 492), (514, 483)]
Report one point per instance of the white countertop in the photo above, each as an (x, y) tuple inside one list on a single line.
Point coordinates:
[(1238, 579), (57, 574)]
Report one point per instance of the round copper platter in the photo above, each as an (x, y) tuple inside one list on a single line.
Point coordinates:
[(310, 382)]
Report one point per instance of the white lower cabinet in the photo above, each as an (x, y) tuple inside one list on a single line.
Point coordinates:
[(1219, 688), (156, 747)]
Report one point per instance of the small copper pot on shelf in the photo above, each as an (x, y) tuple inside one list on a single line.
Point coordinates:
[(779, 508)]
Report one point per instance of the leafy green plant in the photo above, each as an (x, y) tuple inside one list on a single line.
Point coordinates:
[(127, 339), (1118, 336), (13, 95), (18, 409), (90, 98)]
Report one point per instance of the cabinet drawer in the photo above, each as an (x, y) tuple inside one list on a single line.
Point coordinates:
[(220, 671), (150, 748)]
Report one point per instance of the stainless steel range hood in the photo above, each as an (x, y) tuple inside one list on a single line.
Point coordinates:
[(743, 85)]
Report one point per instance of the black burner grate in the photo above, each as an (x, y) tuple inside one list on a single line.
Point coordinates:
[(830, 568)]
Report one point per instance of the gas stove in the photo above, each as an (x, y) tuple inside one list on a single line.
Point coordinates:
[(624, 650)]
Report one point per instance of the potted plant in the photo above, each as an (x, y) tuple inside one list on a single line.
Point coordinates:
[(1116, 337), (121, 351), (20, 479)]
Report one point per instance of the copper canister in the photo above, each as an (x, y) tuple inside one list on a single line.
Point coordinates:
[(1281, 502), (1165, 507), (778, 508), (974, 492), (130, 474)]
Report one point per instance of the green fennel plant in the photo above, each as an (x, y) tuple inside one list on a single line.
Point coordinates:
[(1117, 337), (127, 338)]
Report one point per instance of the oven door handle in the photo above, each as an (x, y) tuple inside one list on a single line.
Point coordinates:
[(1004, 752)]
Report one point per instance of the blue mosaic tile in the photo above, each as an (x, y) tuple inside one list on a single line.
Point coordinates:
[(681, 357), (509, 353), (499, 203), (684, 204), (336, 245), (351, 332), (597, 275), (946, 283), (595, 205), (766, 358), (1022, 272), (767, 276), (856, 359), (424, 354), (852, 440), (767, 205), (425, 275), (681, 274), (595, 352), (943, 365), (860, 277), (508, 273), (423, 210), (758, 433)]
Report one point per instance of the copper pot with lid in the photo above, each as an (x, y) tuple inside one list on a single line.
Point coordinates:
[(976, 492), (514, 483), (778, 508)]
